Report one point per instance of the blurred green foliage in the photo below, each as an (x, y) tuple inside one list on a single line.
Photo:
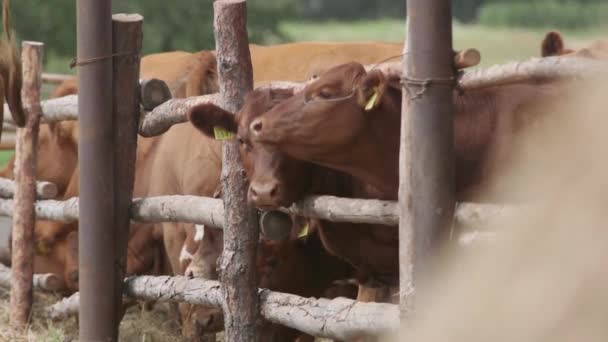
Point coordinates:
[(168, 25), (188, 24), (545, 13)]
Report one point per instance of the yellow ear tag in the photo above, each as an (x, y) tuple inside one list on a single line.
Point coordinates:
[(41, 248), (304, 231), (373, 100), (221, 134)]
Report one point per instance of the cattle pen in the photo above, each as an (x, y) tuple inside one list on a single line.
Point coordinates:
[(110, 83)]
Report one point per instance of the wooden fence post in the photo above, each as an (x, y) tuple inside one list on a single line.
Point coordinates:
[(426, 166), (237, 268), (24, 217), (127, 35)]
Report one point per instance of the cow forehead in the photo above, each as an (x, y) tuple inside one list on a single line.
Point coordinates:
[(345, 73)]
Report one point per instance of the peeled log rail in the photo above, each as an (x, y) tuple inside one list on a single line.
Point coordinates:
[(170, 113), (193, 209), (56, 78), (174, 111), (536, 69), (210, 211), (65, 308), (66, 211), (46, 282), (339, 318), (44, 190), (347, 210)]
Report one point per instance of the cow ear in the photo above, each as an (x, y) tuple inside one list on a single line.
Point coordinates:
[(213, 121), (552, 45), (370, 90)]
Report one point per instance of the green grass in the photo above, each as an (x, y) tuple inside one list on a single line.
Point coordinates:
[(497, 45), (4, 157)]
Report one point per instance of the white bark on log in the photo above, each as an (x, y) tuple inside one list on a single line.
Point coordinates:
[(65, 308), (45, 282), (56, 78), (339, 318), (60, 109), (44, 190), (536, 69), (347, 210), (210, 211), (192, 209), (172, 112), (66, 211)]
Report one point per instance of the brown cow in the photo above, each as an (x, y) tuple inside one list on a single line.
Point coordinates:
[(335, 123), (10, 71), (313, 129), (553, 45), (58, 158), (272, 174), (323, 53)]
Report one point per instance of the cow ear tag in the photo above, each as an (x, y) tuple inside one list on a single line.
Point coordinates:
[(304, 231), (41, 248), (373, 101), (221, 134)]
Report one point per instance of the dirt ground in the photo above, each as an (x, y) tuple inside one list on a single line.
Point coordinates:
[(137, 326)]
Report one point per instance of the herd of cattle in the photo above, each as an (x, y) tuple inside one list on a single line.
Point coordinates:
[(339, 136)]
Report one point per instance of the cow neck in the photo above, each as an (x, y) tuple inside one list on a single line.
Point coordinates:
[(376, 153)]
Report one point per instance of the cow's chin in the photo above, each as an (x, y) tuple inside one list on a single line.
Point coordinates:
[(271, 205)]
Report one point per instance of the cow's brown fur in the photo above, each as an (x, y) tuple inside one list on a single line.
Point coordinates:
[(344, 136), (11, 78), (171, 176), (553, 45), (291, 179)]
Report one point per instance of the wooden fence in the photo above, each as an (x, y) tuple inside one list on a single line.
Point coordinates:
[(338, 318)]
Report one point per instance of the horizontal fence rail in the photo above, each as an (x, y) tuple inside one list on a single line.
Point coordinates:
[(44, 190), (209, 211), (56, 78), (339, 318), (174, 111), (45, 282)]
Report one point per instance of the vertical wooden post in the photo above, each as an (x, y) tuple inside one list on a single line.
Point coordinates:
[(24, 217), (96, 240), (241, 231), (426, 166), (127, 36)]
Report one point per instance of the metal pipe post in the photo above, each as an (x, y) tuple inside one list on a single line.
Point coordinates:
[(426, 166), (96, 163)]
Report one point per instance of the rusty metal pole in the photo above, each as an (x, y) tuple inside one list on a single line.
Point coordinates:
[(97, 312), (24, 218), (241, 231), (127, 36), (426, 166)]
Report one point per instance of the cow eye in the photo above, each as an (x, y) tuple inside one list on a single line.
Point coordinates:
[(324, 93), (244, 144)]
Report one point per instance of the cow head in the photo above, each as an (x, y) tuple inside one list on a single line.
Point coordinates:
[(322, 123), (553, 45), (275, 180)]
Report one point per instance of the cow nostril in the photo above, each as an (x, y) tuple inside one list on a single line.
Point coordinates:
[(257, 126), (253, 192), (273, 192), (74, 276)]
